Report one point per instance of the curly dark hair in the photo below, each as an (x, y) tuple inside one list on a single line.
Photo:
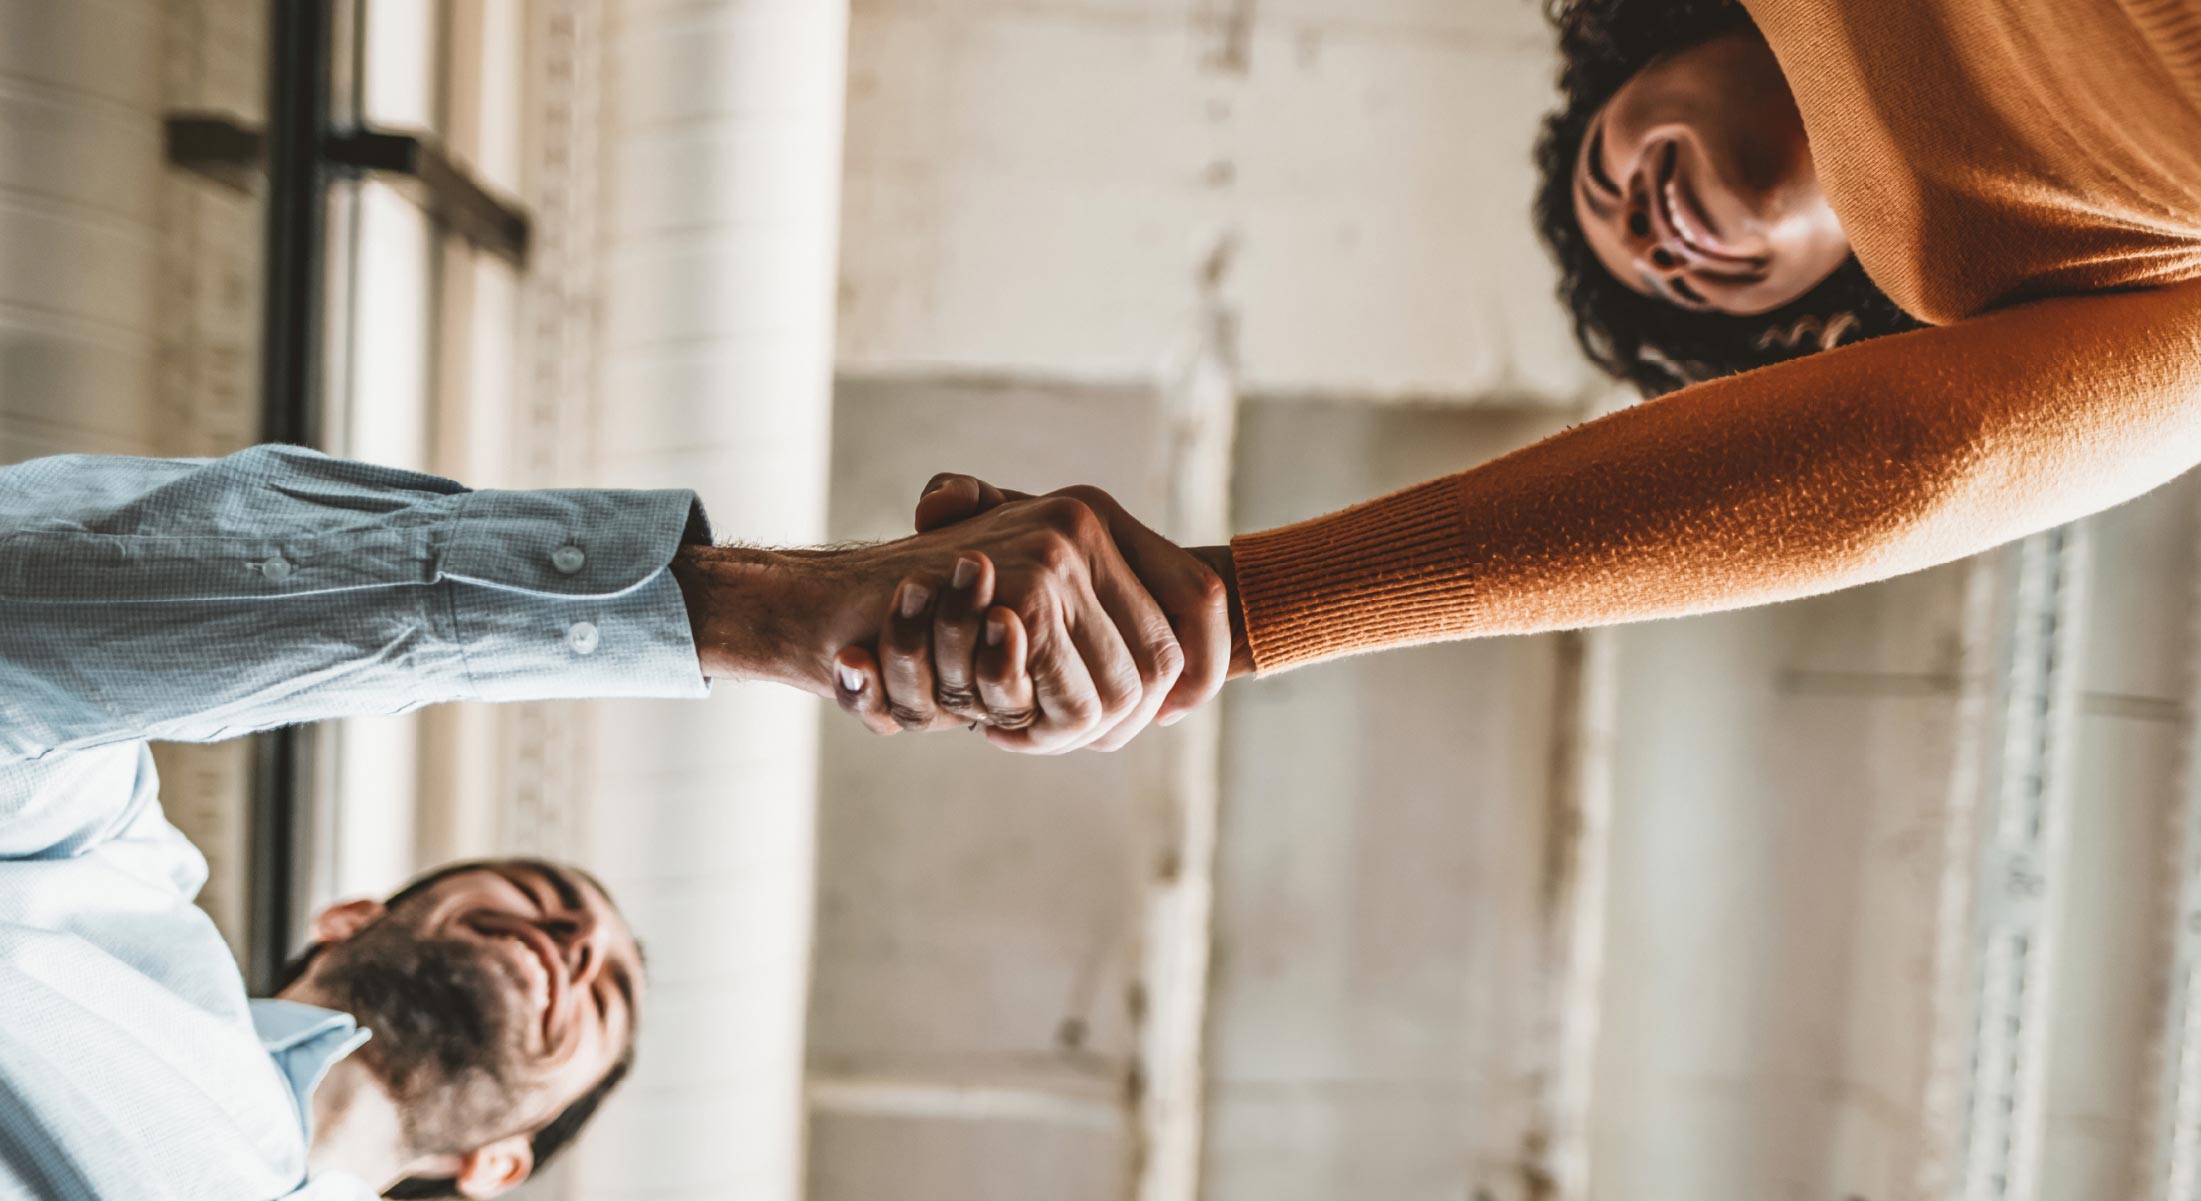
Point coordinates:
[(1650, 343)]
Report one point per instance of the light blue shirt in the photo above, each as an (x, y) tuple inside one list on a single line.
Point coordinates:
[(199, 599)]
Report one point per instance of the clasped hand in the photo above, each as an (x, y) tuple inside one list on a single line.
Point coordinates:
[(1079, 632)]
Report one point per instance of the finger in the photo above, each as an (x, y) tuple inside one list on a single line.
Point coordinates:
[(1112, 639), (1004, 686), (856, 686), (1190, 594), (1155, 657), (1069, 704), (955, 635), (1198, 606), (952, 496), (905, 654)]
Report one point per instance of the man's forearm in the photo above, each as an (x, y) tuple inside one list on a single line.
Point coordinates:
[(760, 614)]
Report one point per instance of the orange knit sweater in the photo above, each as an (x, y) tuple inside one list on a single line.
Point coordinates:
[(2025, 175)]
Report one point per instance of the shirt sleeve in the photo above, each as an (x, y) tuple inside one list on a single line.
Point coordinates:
[(194, 600), (1824, 472)]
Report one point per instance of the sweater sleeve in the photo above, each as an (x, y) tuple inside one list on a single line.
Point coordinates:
[(1846, 467)]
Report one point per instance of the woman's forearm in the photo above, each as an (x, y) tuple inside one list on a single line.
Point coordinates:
[(1840, 469)]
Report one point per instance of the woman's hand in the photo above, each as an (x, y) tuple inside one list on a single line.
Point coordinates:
[(1196, 588)]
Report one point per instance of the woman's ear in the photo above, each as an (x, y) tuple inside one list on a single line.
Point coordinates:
[(339, 922), (495, 1168)]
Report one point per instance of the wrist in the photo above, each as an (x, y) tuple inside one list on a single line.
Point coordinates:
[(767, 615), (1220, 560)]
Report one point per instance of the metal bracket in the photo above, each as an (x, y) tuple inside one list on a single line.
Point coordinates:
[(219, 148), (234, 155)]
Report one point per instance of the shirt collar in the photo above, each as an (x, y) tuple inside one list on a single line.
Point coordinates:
[(305, 1042)]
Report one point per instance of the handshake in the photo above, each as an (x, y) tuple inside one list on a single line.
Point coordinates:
[(1050, 623)]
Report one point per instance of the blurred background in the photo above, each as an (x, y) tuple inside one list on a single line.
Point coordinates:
[(1889, 894)]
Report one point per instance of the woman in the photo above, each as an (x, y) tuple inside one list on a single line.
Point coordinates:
[(1705, 115), (2010, 193)]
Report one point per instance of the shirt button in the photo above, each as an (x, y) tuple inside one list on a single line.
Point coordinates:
[(582, 637), (277, 569), (568, 559)]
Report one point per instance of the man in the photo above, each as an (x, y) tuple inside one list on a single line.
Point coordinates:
[(448, 1040)]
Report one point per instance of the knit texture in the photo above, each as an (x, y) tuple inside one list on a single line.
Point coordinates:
[(2025, 175)]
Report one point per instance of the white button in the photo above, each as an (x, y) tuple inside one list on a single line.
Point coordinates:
[(568, 559), (581, 636), (276, 569)]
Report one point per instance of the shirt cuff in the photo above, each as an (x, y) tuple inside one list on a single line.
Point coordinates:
[(568, 593)]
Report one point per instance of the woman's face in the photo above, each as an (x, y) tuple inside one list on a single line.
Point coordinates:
[(1695, 183)]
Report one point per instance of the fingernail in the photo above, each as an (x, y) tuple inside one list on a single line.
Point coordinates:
[(851, 679), (996, 631), (914, 597), (966, 572), (1171, 719)]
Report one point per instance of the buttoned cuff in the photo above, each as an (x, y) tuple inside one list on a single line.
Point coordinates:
[(569, 593)]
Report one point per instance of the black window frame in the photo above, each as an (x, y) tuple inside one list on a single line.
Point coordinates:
[(305, 148)]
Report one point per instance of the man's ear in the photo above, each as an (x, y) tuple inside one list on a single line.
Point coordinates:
[(339, 922), (495, 1168)]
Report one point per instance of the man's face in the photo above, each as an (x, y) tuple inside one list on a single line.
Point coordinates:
[(497, 996)]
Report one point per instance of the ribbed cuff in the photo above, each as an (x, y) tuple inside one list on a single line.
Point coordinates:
[(1387, 572)]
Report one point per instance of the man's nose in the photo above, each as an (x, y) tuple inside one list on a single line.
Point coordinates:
[(577, 935)]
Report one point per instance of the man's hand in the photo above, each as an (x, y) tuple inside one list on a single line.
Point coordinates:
[(1196, 590), (1101, 656), (978, 677)]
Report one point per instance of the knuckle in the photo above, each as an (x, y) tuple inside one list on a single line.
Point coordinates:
[(1080, 713), (1056, 550), (1070, 515), (909, 718), (1119, 701), (1169, 659), (1208, 592), (955, 698), (1012, 719)]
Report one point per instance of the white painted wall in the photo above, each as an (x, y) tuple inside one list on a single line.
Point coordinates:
[(1777, 858), (721, 144), (1384, 873), (972, 1031), (1040, 188)]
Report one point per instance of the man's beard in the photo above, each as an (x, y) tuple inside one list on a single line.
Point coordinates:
[(446, 1038)]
